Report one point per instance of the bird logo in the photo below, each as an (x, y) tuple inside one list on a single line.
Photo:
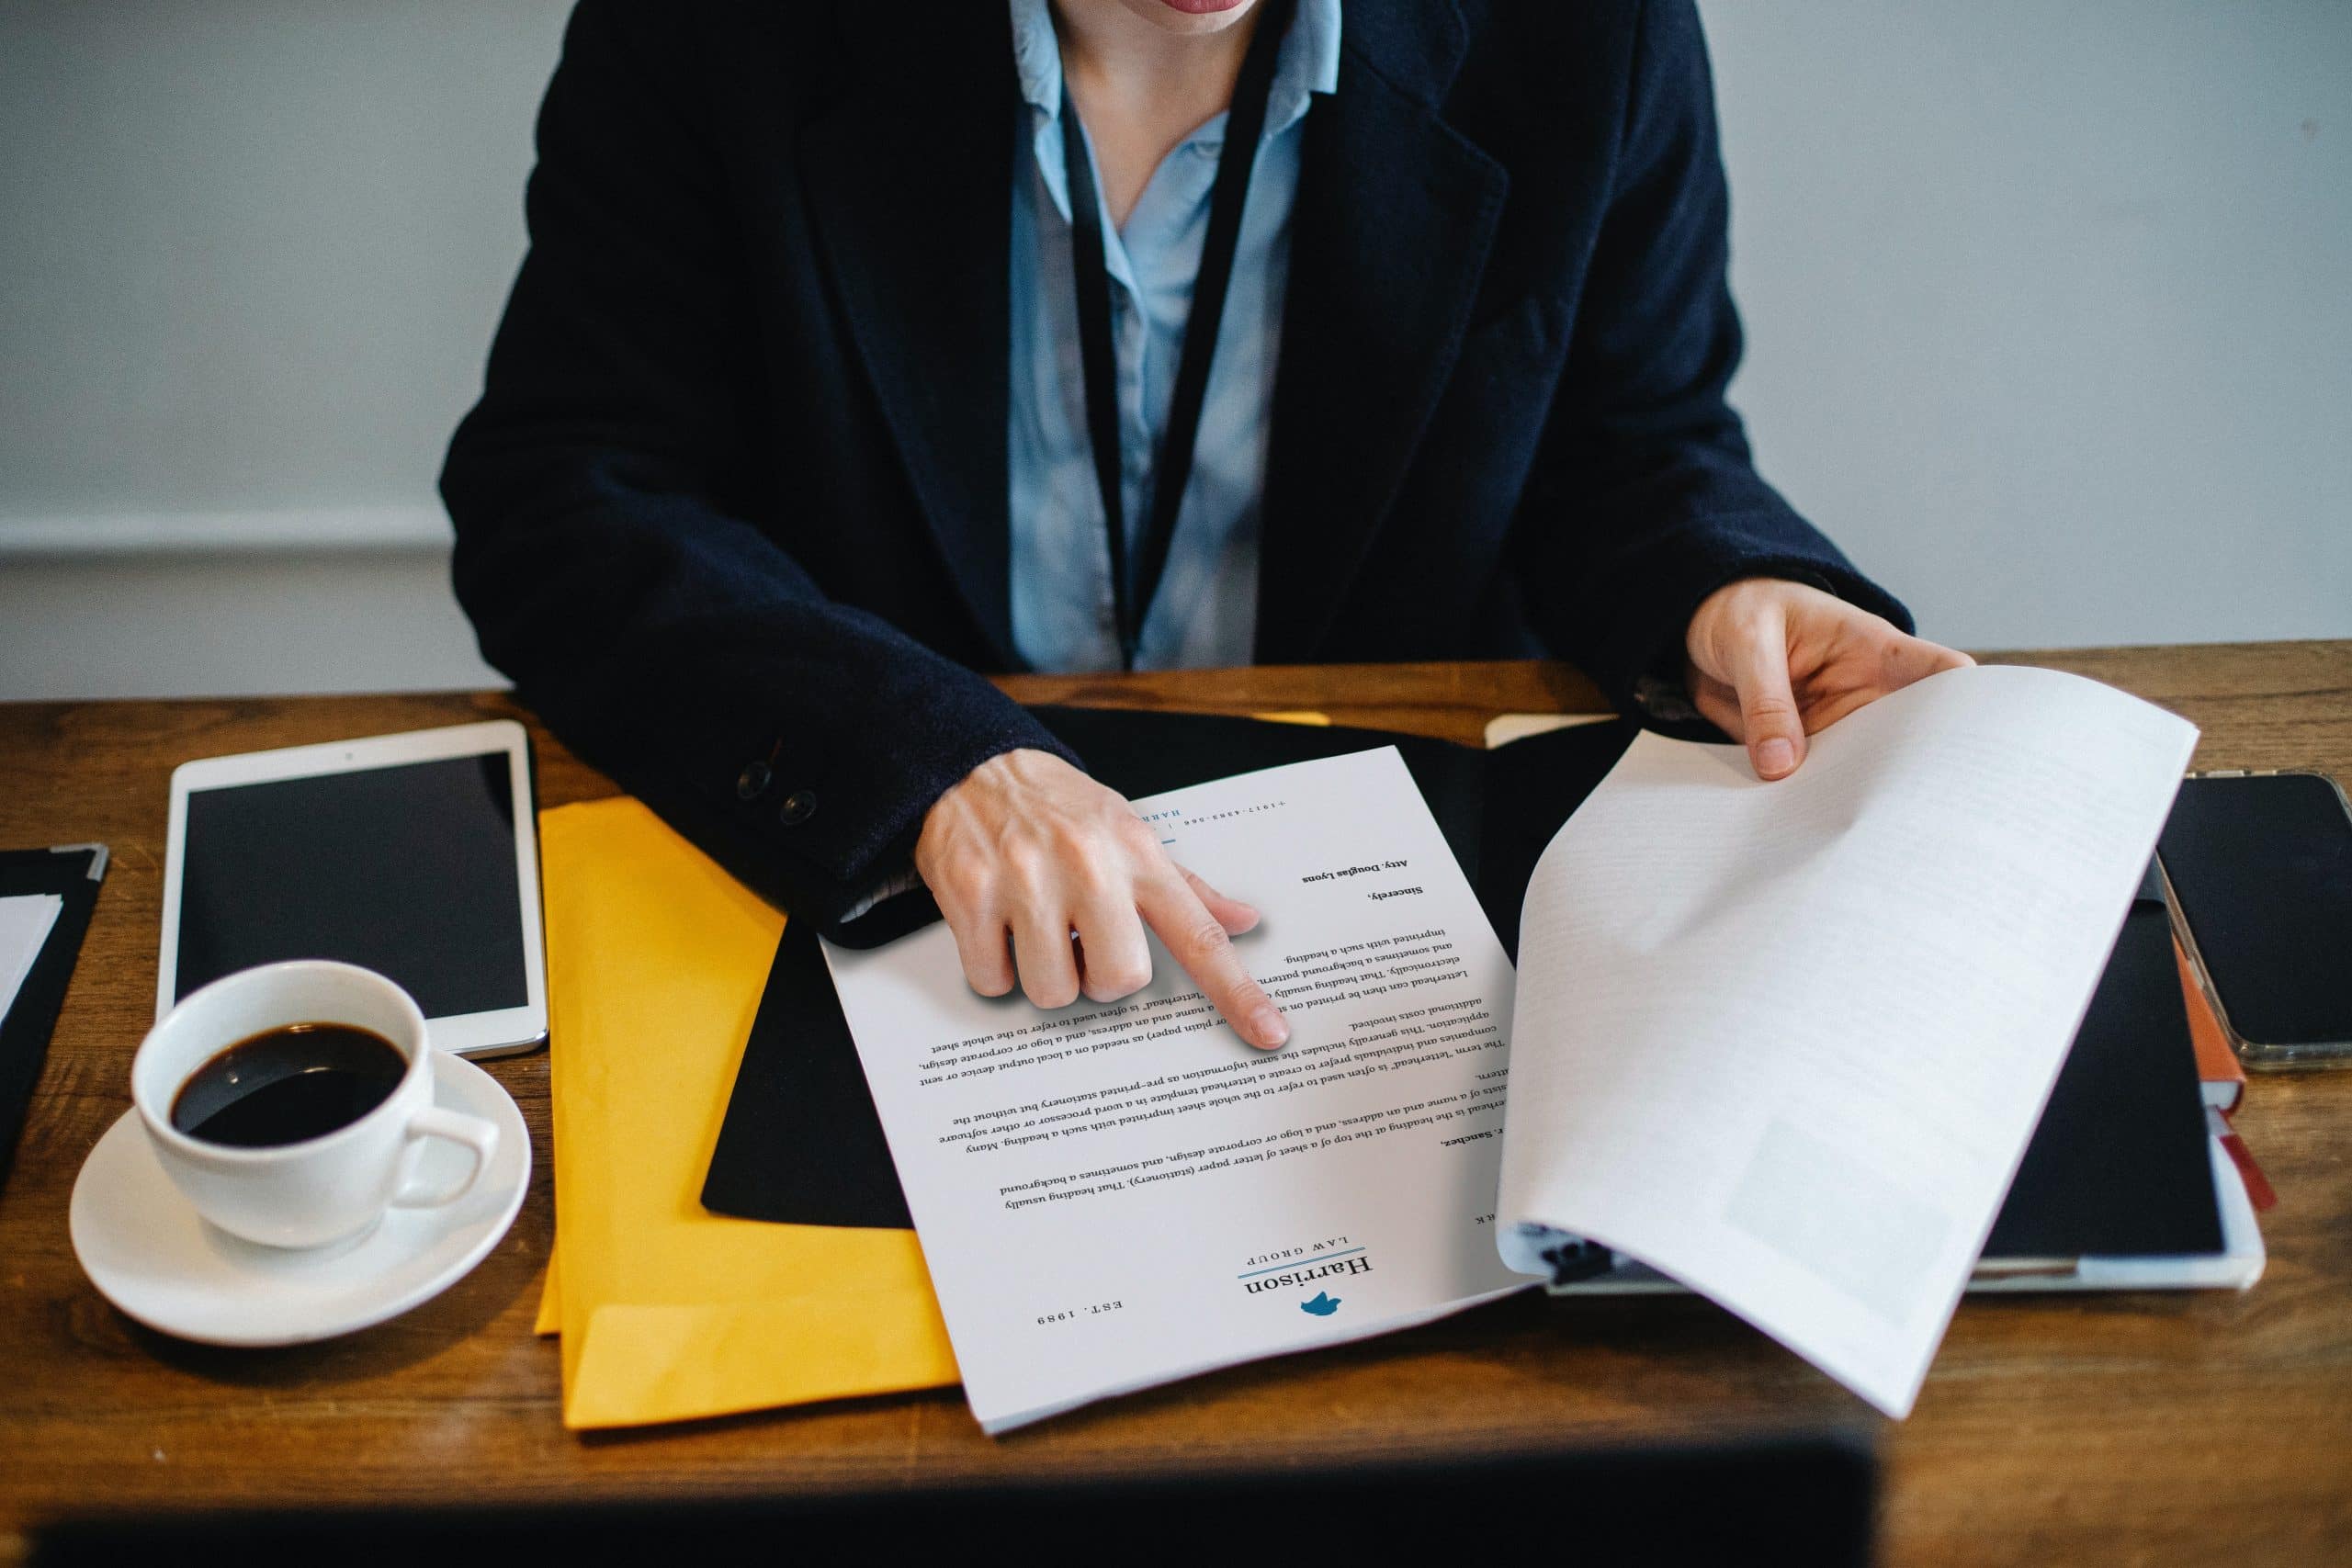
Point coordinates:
[(1324, 1305)]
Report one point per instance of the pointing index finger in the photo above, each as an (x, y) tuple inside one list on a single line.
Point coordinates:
[(1199, 942)]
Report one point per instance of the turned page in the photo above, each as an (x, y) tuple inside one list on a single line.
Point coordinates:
[(1786, 1041)]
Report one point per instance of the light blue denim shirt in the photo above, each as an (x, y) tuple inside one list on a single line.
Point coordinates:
[(1207, 610)]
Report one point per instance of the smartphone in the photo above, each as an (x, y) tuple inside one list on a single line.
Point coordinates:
[(2257, 869)]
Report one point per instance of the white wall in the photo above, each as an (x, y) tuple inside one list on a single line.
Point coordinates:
[(251, 254), (2051, 304), (2050, 312)]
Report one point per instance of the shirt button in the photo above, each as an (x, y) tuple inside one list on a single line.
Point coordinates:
[(753, 780), (798, 807)]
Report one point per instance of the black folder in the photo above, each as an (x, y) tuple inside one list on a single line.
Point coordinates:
[(73, 872), (2118, 1168)]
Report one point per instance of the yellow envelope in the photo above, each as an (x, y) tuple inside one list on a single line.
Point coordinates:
[(700, 1315), (656, 959)]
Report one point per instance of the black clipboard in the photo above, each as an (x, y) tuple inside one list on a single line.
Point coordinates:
[(74, 873)]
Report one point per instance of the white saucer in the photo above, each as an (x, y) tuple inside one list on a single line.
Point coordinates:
[(146, 1250)]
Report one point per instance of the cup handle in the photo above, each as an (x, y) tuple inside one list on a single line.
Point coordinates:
[(476, 1135)]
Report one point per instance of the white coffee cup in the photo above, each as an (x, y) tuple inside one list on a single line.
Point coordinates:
[(319, 1190)]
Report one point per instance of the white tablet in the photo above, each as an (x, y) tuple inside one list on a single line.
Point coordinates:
[(415, 855)]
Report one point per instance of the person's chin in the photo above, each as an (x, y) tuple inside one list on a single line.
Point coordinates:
[(1190, 16)]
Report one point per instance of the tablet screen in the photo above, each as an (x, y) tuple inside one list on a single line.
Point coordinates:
[(408, 869)]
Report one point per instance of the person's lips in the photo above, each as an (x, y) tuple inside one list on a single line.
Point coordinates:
[(1201, 7)]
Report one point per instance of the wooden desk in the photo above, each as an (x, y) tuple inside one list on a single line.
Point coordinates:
[(2120, 1428)]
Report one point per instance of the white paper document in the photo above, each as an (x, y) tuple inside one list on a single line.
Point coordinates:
[(25, 920), (1782, 1042), (1786, 1043), (1115, 1196)]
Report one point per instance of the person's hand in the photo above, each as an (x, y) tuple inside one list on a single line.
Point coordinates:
[(1771, 663), (1029, 849)]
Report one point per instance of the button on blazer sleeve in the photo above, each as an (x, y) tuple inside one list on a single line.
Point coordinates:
[(602, 491), (1643, 500)]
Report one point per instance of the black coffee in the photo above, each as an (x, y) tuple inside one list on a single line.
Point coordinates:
[(285, 1085)]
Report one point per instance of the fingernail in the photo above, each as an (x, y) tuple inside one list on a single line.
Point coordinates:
[(1775, 757), (1267, 1028)]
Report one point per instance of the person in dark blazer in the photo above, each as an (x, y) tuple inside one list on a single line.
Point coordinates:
[(863, 348)]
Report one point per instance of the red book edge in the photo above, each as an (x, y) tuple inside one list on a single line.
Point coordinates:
[(2223, 1081), (2216, 1064), (2259, 1189)]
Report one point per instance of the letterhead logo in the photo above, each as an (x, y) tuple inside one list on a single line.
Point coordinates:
[(1314, 1274)]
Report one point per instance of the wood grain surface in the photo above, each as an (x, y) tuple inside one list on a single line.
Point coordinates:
[(2141, 1427)]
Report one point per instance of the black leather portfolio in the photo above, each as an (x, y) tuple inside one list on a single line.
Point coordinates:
[(2118, 1168)]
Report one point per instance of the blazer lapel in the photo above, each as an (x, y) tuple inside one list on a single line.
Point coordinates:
[(1389, 237), (909, 177)]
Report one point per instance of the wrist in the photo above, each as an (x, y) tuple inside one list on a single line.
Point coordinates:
[(993, 782)]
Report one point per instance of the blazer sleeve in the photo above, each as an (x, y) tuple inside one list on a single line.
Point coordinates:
[(603, 491), (1643, 500)]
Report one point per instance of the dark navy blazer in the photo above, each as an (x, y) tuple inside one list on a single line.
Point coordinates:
[(732, 510)]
